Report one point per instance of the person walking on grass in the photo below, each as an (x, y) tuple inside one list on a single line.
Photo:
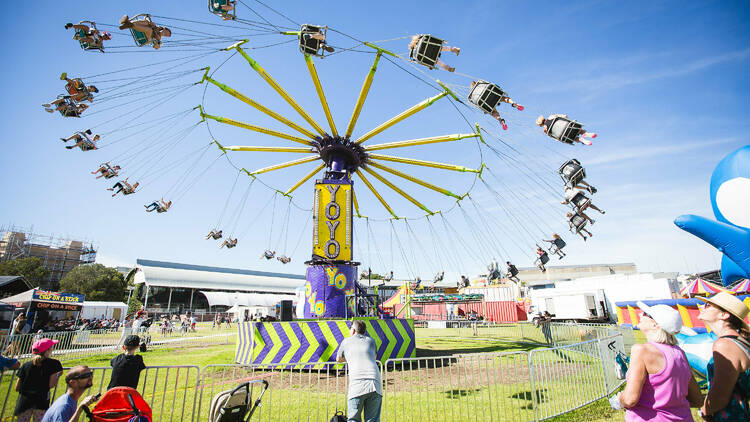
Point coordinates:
[(365, 385), (127, 366)]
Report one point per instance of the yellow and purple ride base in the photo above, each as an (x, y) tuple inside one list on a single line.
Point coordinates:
[(310, 343)]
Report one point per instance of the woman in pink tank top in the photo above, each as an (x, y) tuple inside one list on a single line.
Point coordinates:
[(660, 385)]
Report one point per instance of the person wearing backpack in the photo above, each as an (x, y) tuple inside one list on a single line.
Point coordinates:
[(729, 368), (365, 386)]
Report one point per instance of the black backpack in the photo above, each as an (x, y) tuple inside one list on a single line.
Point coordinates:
[(338, 417)]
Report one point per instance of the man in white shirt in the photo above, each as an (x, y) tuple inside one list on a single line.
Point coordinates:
[(365, 385)]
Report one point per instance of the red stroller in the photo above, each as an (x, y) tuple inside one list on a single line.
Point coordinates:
[(121, 404)]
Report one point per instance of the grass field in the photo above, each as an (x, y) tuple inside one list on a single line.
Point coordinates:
[(467, 385)]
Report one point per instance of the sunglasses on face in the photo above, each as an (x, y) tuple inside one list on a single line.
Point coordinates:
[(646, 315), (82, 376)]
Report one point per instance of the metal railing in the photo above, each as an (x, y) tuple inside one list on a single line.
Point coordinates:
[(535, 384), (78, 344)]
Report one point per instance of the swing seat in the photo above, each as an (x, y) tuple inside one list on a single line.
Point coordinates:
[(139, 37), (427, 50), (577, 222), (572, 173), (88, 146), (580, 200), (215, 7), (309, 45), (216, 235), (486, 95), (564, 130), (559, 243), (76, 87), (542, 259)]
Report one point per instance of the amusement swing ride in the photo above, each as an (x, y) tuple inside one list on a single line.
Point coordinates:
[(341, 160)]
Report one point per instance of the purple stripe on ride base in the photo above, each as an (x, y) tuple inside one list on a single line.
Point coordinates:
[(397, 334), (383, 340), (304, 344), (409, 337), (261, 327), (322, 343), (338, 335), (285, 342)]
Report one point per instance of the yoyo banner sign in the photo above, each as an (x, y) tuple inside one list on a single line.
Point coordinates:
[(332, 220), (54, 301)]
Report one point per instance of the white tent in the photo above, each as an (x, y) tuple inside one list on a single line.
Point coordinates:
[(95, 309), (244, 299)]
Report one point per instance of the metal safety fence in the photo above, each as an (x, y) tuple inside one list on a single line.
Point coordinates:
[(78, 344), (535, 383)]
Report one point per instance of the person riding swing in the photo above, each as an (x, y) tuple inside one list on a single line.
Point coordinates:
[(542, 258), (312, 40), (88, 36), (284, 259), (426, 49), (577, 224), (107, 171), (561, 128), (215, 235), (557, 244), (158, 206), (82, 140), (573, 174), (488, 96), (229, 243), (144, 30), (268, 254)]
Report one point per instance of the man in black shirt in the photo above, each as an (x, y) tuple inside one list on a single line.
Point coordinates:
[(127, 367)]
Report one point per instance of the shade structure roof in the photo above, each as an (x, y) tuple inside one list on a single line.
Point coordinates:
[(700, 286), (176, 275)]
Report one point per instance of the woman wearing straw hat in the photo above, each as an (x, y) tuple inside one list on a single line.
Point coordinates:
[(660, 385), (729, 368)]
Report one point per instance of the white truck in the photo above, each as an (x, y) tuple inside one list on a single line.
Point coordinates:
[(593, 298), (579, 307)]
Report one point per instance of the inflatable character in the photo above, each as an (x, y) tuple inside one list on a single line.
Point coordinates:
[(730, 200)]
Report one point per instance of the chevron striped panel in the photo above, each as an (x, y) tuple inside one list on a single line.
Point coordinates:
[(294, 342)]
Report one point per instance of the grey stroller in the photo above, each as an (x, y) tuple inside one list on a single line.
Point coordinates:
[(236, 405)]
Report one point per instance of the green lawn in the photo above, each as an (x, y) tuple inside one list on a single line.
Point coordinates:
[(455, 378)]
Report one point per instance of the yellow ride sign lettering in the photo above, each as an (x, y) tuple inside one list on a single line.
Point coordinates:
[(332, 221)]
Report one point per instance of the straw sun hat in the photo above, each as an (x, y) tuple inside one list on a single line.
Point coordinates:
[(731, 304)]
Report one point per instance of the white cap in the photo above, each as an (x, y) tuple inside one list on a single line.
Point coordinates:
[(667, 318)]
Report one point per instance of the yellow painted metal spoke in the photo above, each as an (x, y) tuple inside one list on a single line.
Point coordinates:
[(375, 192), (413, 179), (267, 149), (401, 116), (305, 179), (397, 189), (286, 164), (260, 107), (275, 85), (362, 96), (422, 163), (421, 141), (356, 204), (321, 94), (257, 129)]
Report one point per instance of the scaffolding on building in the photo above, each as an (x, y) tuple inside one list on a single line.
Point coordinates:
[(59, 254)]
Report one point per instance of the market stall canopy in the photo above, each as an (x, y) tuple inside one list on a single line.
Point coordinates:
[(42, 299), (12, 285), (176, 275), (701, 287), (742, 287)]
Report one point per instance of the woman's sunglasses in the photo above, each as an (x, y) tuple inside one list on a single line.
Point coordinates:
[(647, 315)]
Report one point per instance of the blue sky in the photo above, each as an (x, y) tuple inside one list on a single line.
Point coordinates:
[(661, 82)]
